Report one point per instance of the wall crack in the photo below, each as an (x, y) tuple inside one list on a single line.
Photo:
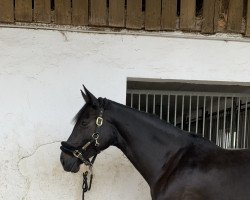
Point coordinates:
[(64, 36), (27, 180)]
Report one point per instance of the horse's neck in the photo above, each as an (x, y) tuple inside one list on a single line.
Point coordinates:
[(146, 141)]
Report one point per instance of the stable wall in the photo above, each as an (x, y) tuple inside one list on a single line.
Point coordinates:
[(41, 73)]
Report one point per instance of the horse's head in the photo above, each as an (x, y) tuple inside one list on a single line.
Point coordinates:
[(92, 133)]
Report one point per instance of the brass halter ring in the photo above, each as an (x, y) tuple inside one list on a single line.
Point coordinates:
[(99, 121)]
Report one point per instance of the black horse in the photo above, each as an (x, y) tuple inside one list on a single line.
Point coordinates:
[(177, 165)]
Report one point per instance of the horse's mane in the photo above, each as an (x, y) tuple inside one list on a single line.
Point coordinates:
[(148, 116), (162, 124), (79, 114)]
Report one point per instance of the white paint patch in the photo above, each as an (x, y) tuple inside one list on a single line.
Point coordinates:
[(41, 73)]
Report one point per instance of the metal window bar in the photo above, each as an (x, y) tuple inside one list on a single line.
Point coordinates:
[(131, 101), (223, 120), (231, 123), (168, 107), (182, 111), (154, 104), (175, 109), (245, 125), (203, 120), (190, 113), (224, 138), (161, 107), (211, 118), (238, 125), (218, 121), (197, 115), (139, 102)]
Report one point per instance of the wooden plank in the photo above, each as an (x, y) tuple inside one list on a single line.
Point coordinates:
[(216, 15), (169, 13), (6, 11), (208, 16), (235, 15), (153, 15), (80, 12), (220, 15), (23, 10), (63, 12), (134, 14), (42, 11), (98, 12), (187, 14), (248, 19), (117, 13)]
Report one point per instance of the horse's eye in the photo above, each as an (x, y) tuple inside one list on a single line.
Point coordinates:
[(84, 123)]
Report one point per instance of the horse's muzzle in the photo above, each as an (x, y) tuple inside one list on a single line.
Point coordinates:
[(69, 163)]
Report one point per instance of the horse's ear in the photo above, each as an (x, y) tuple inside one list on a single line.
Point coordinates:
[(86, 99), (90, 97)]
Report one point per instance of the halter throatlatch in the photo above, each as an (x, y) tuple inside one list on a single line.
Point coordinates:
[(80, 152)]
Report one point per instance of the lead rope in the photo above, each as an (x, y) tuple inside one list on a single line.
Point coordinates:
[(85, 185)]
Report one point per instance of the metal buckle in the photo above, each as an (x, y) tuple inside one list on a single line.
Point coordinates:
[(95, 136), (99, 121), (86, 146), (77, 153)]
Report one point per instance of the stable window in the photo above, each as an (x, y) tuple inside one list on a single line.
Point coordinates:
[(219, 113)]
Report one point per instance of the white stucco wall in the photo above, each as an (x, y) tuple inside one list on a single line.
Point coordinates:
[(41, 73)]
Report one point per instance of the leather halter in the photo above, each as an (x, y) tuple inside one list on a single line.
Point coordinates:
[(79, 152)]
